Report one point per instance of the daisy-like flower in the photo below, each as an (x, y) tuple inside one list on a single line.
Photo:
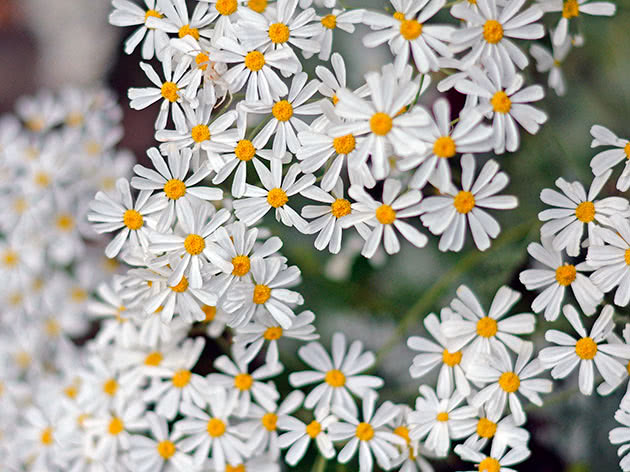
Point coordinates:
[(39, 441), (371, 435), (211, 433), (280, 28), (163, 450), (451, 213), (285, 121), (379, 120), (275, 194), (175, 384), (504, 101), (265, 328), (340, 375), (505, 380), (256, 69), (223, 14), (574, 210), (486, 333), (327, 219), (191, 248), (412, 455), (551, 62), (385, 216), (438, 421), (267, 289), (170, 90), (572, 9), (337, 19), (491, 425), (609, 158), (490, 30), (468, 136), (120, 213), (611, 260), (127, 13), (178, 189), (555, 278), (299, 436), (621, 435), (408, 34), (115, 326), (606, 389), (242, 385), (451, 377), (498, 460), (590, 349), (175, 19)]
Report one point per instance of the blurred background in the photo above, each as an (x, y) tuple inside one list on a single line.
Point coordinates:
[(69, 42)]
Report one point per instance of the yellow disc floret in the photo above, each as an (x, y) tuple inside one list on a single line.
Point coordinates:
[(279, 33), (110, 387), (442, 417), (245, 150), (565, 274), (381, 123), (200, 133), (410, 29), (194, 244), (186, 30), (586, 348), (181, 286), (210, 312), (175, 189), (269, 421), (169, 91), (451, 359), (344, 144), (241, 265), (364, 431), (262, 293), (133, 219), (385, 214), (500, 102), (313, 429), (65, 222), (489, 464), (464, 202), (181, 378), (282, 110), (335, 378), (202, 60), (277, 197), (585, 212), (46, 437), (243, 381), (258, 6), (509, 382), (487, 327), (329, 21), (570, 9), (486, 428), (255, 60), (115, 427), (226, 7), (166, 449), (215, 427), (340, 207), (153, 359), (492, 31), (273, 333), (444, 146)]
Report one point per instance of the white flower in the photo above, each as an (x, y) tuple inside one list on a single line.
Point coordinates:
[(503, 99), (127, 13), (451, 377), (469, 135), (39, 441), (175, 19), (486, 333), (371, 435), (555, 278), (299, 436), (574, 209), (609, 158), (385, 216), (498, 460), (586, 351), (572, 9), (621, 435), (492, 425), (504, 380), (339, 375), (338, 18), (412, 455), (552, 62), (408, 33), (449, 214), (114, 327), (439, 421), (490, 30)]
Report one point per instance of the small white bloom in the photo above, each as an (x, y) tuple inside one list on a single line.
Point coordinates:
[(609, 158)]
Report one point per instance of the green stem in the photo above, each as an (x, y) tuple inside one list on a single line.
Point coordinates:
[(320, 464)]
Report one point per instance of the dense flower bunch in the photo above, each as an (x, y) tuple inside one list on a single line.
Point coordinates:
[(243, 132)]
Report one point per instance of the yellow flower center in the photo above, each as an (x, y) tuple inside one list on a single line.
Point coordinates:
[(500, 102), (626, 256), (444, 147), (258, 6), (215, 427), (166, 449), (489, 464), (20, 205), (71, 391), (78, 295), (486, 428), (340, 207), (364, 431), (226, 7), (570, 9), (46, 437), (175, 189), (181, 378), (110, 387), (277, 197), (241, 467), (245, 150), (451, 359), (51, 327), (344, 144), (400, 16), (464, 202), (626, 149), (403, 432), (42, 179), (200, 133), (23, 359), (115, 427), (381, 123), (241, 265), (194, 244), (254, 61), (279, 33), (329, 21), (509, 382), (243, 381), (186, 30), (487, 327), (334, 99), (210, 312), (335, 378), (565, 274), (182, 286), (133, 220), (585, 212), (202, 60), (269, 421), (586, 348), (313, 429), (282, 110), (65, 222), (93, 148), (273, 333), (492, 31), (169, 91), (152, 13), (153, 359), (262, 293), (410, 29), (10, 258), (442, 417), (385, 214)]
